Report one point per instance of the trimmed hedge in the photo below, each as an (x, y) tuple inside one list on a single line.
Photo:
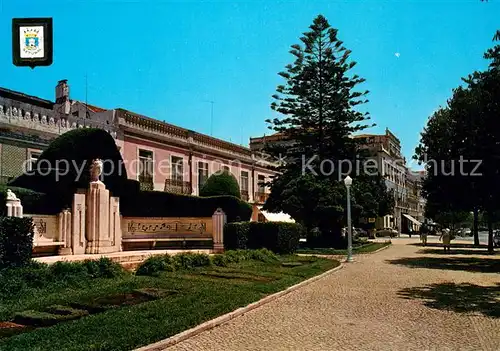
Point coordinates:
[(163, 204), (153, 203), (16, 241), (34, 202), (282, 238), (221, 184), (65, 164)]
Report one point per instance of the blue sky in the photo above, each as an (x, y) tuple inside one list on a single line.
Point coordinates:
[(167, 59)]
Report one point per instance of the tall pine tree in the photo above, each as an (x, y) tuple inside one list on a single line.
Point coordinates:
[(318, 98), (318, 104)]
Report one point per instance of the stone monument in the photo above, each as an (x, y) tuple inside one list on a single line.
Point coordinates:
[(102, 229), (14, 207)]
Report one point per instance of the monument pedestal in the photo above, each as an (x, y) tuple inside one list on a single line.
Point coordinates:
[(102, 225), (97, 223), (65, 251), (219, 219)]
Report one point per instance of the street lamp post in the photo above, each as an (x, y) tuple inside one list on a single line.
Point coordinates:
[(348, 182)]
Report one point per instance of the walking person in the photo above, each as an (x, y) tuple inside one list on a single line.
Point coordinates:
[(446, 237), (423, 238)]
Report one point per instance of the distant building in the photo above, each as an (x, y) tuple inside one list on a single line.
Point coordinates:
[(161, 156), (258, 144), (385, 149)]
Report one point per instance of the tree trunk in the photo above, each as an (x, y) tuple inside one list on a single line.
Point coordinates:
[(475, 227), (490, 233)]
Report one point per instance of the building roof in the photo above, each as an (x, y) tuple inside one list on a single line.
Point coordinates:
[(93, 108), (29, 99), (367, 135), (154, 124)]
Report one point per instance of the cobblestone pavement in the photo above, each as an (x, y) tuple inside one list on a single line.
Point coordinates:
[(383, 301)]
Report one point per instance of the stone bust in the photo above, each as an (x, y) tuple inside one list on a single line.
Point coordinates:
[(95, 170), (11, 195)]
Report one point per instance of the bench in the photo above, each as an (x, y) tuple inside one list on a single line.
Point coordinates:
[(48, 243), (153, 240)]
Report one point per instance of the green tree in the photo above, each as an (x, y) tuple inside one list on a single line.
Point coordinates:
[(461, 146), (452, 219), (318, 106), (223, 183)]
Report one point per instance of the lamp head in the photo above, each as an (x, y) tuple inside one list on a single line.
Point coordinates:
[(348, 181)]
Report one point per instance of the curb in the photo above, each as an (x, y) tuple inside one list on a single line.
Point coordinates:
[(336, 256), (163, 344), (381, 249)]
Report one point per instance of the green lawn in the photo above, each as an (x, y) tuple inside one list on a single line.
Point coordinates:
[(365, 248), (199, 295)]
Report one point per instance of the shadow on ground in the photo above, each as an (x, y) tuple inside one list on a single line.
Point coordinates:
[(455, 251), (462, 298), (471, 264), (453, 245)]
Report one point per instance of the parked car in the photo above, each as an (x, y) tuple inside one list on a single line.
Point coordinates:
[(361, 232), (391, 232)]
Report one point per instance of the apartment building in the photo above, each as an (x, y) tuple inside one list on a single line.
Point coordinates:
[(404, 183)]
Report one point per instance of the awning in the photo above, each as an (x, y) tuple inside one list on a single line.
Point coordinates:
[(413, 220), (277, 217)]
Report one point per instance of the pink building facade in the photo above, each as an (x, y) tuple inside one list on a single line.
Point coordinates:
[(161, 156)]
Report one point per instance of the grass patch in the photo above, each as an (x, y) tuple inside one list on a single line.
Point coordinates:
[(129, 311), (237, 276), (362, 249)]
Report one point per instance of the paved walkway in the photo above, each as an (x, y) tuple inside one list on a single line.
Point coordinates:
[(402, 298)]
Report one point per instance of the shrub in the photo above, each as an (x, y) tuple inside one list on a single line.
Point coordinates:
[(57, 170), (103, 268), (236, 235), (68, 271), (235, 256), (163, 204), (221, 184), (188, 260), (154, 265), (16, 241), (18, 280), (220, 260), (263, 255), (278, 237)]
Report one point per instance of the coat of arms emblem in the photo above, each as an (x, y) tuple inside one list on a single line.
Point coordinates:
[(32, 42)]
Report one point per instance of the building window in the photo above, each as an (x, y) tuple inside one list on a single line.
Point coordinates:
[(145, 173), (260, 183), (33, 157), (202, 174), (176, 183), (261, 195), (244, 185), (177, 168)]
